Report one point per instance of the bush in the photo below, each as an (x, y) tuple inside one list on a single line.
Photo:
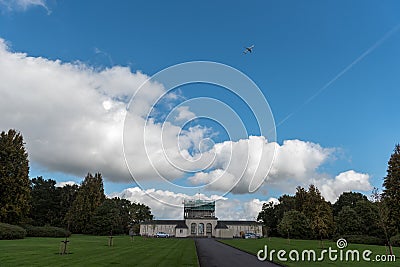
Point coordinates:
[(9, 231), (395, 240), (362, 239), (46, 231)]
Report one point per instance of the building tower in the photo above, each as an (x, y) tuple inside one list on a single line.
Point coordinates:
[(200, 217)]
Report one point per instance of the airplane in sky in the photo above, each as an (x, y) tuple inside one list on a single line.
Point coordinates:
[(248, 49)]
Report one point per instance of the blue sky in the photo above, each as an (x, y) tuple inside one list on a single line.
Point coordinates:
[(300, 46)]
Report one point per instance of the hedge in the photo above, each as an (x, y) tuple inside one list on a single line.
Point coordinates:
[(9, 231), (363, 239), (45, 231), (395, 240)]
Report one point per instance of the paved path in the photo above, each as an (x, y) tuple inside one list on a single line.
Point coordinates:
[(212, 253)]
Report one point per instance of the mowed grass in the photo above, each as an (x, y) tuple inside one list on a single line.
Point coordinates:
[(254, 245), (94, 251)]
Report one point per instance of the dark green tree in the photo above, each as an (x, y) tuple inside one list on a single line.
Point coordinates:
[(269, 218), (317, 211), (14, 178), (311, 201), (286, 203), (391, 193), (321, 222), (294, 224), (106, 219), (139, 213), (368, 216), (300, 198), (124, 208), (90, 196), (68, 195), (347, 199), (383, 216), (45, 202), (348, 222)]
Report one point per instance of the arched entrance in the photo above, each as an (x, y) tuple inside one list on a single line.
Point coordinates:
[(209, 229), (201, 229), (193, 228)]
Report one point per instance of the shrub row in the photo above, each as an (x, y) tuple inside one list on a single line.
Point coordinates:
[(8, 231), (363, 239), (45, 231), (395, 240)]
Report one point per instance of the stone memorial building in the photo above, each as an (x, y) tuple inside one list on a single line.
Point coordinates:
[(199, 221)]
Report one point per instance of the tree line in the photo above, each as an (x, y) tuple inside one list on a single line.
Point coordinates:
[(307, 215), (80, 208)]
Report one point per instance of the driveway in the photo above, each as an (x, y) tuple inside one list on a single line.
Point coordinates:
[(213, 253)]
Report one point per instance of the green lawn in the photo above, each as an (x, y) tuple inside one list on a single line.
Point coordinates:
[(254, 245), (94, 251)]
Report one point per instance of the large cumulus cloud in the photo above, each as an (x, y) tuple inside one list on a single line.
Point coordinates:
[(72, 118)]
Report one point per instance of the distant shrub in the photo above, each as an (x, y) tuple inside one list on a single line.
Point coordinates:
[(46, 231), (363, 239), (395, 240), (9, 231)]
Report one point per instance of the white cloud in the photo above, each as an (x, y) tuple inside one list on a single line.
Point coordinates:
[(249, 160), (296, 163), (72, 119), (23, 4), (344, 182), (184, 114), (226, 208), (62, 184), (71, 116)]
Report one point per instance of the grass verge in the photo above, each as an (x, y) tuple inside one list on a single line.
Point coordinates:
[(94, 251), (254, 245)]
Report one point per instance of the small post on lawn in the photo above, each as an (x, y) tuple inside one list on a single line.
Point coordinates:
[(63, 247), (110, 239), (131, 233), (64, 243)]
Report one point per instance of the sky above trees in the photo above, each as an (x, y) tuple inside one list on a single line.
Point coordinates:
[(328, 71)]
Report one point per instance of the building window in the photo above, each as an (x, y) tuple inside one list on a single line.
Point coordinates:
[(193, 227), (201, 228), (181, 231)]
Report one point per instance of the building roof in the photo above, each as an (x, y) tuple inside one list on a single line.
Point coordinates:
[(240, 222), (178, 223), (221, 225), (181, 224), (166, 222)]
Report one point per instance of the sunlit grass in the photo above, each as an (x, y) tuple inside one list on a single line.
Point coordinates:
[(254, 245), (94, 251)]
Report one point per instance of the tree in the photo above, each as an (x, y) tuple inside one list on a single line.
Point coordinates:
[(391, 193), (68, 195), (383, 215), (124, 207), (348, 222), (139, 213), (45, 202), (106, 219), (300, 197), (14, 178), (311, 201), (294, 224), (322, 221), (347, 199), (317, 211), (286, 203), (368, 216), (90, 196), (269, 218)]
